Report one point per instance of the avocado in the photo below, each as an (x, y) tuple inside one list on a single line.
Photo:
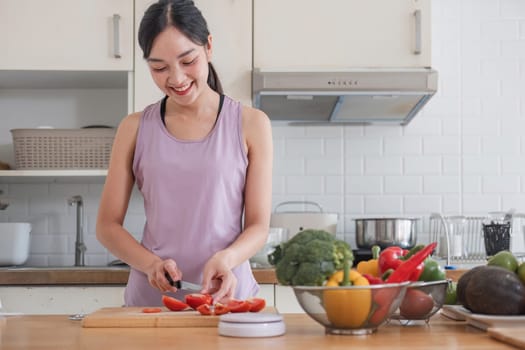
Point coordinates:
[(462, 285), (494, 290)]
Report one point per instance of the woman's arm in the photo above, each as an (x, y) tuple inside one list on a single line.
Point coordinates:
[(258, 195), (114, 204)]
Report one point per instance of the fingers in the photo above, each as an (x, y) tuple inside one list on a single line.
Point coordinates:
[(227, 288), (170, 267), (212, 287), (158, 277)]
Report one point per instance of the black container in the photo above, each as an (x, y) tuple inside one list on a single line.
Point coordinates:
[(496, 237)]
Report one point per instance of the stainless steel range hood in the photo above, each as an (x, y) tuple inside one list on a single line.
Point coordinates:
[(359, 96)]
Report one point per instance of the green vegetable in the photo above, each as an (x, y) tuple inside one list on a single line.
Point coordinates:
[(309, 258), (432, 271), (451, 296), (504, 259)]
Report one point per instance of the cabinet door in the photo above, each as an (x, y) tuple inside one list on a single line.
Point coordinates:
[(66, 35), (145, 90), (230, 24), (303, 34)]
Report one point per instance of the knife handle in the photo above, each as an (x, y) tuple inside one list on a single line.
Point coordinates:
[(172, 283)]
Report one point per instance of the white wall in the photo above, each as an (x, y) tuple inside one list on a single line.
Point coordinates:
[(463, 154)]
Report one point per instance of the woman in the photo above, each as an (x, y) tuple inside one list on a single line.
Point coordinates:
[(201, 161)]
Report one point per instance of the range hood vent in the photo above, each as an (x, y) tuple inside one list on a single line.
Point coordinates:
[(360, 96)]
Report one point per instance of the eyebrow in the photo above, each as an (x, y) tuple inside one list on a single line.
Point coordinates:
[(185, 53)]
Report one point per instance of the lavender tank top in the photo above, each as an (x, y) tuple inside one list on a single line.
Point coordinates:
[(193, 198)]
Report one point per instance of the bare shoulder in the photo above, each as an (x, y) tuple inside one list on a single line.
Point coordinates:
[(257, 129), (128, 127), (130, 123), (254, 121)]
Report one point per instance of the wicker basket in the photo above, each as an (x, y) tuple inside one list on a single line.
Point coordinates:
[(62, 148)]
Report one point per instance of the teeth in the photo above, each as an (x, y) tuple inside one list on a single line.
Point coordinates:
[(182, 88)]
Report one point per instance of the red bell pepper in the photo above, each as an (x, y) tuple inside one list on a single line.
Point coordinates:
[(405, 271), (393, 257)]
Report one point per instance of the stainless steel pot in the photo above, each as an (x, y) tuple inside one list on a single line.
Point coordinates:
[(386, 232)]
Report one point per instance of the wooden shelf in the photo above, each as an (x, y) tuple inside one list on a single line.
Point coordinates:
[(52, 176)]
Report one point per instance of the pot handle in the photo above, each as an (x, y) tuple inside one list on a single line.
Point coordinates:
[(299, 202)]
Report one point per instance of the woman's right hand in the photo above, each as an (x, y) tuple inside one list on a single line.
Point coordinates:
[(157, 275)]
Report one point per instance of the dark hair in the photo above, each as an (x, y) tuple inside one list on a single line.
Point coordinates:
[(187, 18)]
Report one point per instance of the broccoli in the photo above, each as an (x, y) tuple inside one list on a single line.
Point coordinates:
[(309, 258)]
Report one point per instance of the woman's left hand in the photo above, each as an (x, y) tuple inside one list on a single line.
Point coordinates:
[(218, 279)]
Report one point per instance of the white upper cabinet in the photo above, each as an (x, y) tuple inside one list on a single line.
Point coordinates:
[(230, 24), (341, 34), (145, 90), (86, 35)]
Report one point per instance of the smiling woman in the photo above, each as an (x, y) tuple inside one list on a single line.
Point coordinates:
[(202, 162)]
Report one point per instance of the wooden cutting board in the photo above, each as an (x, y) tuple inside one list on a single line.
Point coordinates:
[(514, 336), (133, 317)]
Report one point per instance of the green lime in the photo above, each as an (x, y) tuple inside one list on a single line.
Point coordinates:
[(521, 272), (451, 297), (504, 259)]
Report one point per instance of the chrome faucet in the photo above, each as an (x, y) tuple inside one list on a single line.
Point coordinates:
[(80, 247)]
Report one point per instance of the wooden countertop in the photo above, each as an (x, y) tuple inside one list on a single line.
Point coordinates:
[(88, 276), (40, 331)]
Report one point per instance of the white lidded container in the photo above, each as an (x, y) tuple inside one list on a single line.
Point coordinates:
[(14, 243), (296, 221)]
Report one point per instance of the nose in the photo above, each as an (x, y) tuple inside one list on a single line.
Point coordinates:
[(176, 77)]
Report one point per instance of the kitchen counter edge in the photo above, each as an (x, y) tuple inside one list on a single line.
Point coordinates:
[(88, 276)]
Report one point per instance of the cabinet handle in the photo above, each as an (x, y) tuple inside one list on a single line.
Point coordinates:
[(116, 36), (417, 47)]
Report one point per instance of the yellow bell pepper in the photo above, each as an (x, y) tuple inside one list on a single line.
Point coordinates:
[(345, 307), (371, 266)]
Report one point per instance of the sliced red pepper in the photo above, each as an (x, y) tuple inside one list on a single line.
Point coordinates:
[(406, 269), (209, 310), (195, 300), (220, 309), (238, 305), (205, 310), (256, 304), (151, 310), (174, 304)]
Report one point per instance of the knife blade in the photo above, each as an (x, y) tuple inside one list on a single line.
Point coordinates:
[(183, 284)]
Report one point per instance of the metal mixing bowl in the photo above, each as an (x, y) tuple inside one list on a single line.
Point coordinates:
[(352, 310), (386, 232), (435, 290)]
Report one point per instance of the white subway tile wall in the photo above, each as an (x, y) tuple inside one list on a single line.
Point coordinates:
[(463, 154)]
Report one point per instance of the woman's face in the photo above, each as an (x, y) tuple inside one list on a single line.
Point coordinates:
[(178, 66)]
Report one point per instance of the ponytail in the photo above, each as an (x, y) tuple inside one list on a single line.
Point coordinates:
[(213, 80)]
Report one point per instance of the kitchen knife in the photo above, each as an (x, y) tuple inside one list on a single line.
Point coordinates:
[(183, 284)]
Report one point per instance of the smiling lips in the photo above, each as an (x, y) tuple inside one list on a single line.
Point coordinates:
[(182, 90)]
